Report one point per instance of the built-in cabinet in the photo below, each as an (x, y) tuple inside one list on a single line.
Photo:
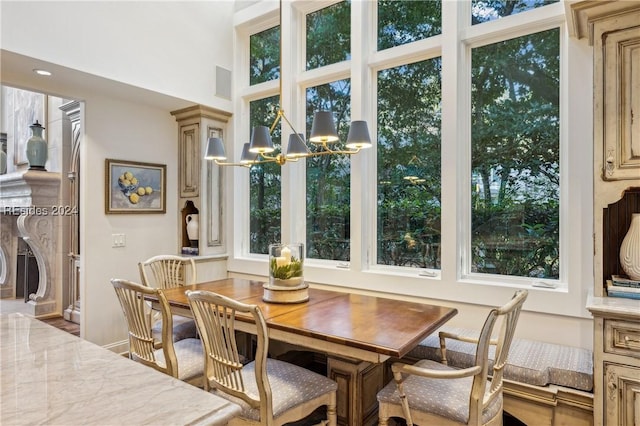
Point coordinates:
[(200, 189), (613, 29), (616, 360)]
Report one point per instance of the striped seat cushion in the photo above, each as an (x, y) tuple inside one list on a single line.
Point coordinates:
[(530, 362)]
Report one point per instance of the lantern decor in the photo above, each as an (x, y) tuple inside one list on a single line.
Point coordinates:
[(286, 274)]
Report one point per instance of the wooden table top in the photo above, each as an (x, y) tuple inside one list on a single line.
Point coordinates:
[(375, 324)]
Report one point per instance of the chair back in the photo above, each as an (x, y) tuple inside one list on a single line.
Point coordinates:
[(215, 317), (505, 318), (138, 315), (168, 271)]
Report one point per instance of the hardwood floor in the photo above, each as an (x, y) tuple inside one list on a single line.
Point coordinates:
[(8, 306), (64, 325)]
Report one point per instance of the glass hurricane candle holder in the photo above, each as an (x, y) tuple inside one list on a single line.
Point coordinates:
[(286, 265)]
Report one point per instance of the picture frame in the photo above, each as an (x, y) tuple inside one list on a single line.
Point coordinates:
[(133, 187)]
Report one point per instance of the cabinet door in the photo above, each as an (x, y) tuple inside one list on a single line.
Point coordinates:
[(189, 157), (622, 395), (621, 87)]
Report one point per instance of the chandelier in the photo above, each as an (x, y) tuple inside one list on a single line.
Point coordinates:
[(323, 136)]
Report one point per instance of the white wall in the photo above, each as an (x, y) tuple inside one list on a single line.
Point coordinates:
[(166, 47), (171, 47), (125, 131)]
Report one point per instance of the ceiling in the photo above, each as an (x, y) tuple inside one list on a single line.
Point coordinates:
[(17, 71)]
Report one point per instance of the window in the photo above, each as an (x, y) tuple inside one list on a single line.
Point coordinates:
[(466, 182), (264, 56), (264, 184), (409, 160), (328, 35), (515, 156), (328, 179), (402, 22), (489, 10)]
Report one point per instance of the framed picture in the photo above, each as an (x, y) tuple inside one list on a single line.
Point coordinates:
[(135, 187)]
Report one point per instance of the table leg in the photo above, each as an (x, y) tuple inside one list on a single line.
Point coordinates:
[(358, 384)]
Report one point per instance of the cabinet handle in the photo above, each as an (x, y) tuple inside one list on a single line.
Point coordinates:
[(628, 340)]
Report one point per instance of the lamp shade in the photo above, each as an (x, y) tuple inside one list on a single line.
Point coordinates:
[(261, 140), (297, 148), (247, 157), (358, 137), (215, 149), (323, 128)]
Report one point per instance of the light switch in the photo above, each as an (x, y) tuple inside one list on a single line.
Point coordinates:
[(119, 240)]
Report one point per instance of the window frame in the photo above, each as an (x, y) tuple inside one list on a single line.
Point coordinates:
[(452, 282)]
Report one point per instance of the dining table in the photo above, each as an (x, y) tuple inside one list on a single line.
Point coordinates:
[(357, 332)]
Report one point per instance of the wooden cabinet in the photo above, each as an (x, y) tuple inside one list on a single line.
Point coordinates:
[(200, 182), (616, 360), (622, 395), (613, 30)]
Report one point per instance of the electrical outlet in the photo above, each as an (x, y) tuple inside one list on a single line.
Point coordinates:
[(119, 240)]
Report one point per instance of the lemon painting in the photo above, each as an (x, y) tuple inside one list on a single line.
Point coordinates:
[(135, 187)]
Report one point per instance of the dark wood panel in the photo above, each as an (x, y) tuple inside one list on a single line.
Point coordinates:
[(616, 220)]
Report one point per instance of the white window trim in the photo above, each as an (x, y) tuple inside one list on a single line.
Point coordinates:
[(450, 283)]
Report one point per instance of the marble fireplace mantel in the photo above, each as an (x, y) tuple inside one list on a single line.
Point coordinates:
[(30, 209)]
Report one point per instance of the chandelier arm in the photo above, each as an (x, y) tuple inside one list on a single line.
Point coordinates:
[(331, 152), (279, 115), (295, 132), (224, 163), (266, 158)]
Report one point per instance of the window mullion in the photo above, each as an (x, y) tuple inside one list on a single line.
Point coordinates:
[(456, 76)]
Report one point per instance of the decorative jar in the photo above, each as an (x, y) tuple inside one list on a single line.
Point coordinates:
[(286, 265), (37, 149), (630, 249), (193, 229)]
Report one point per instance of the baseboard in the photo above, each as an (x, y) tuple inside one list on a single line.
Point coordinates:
[(121, 347)]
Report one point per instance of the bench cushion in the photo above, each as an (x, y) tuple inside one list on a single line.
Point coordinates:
[(530, 362)]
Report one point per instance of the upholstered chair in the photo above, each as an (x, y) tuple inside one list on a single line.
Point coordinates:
[(169, 271), (430, 393), (270, 392), (183, 360)]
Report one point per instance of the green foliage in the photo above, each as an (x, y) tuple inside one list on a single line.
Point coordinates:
[(401, 22), (265, 56), (329, 35), (285, 272)]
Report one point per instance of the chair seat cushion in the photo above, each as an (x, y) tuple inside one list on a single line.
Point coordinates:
[(290, 386), (448, 398), (530, 362), (183, 328), (190, 357)]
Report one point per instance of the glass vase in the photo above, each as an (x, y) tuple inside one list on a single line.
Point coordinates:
[(286, 265)]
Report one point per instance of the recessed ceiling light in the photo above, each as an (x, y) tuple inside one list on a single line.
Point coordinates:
[(41, 72)]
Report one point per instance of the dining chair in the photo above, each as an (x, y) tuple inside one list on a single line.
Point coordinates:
[(183, 360), (270, 392), (169, 271), (429, 392)]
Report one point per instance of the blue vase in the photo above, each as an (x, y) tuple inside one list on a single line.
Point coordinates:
[(37, 149)]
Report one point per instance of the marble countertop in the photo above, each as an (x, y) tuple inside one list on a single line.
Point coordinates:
[(613, 306), (48, 376)]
